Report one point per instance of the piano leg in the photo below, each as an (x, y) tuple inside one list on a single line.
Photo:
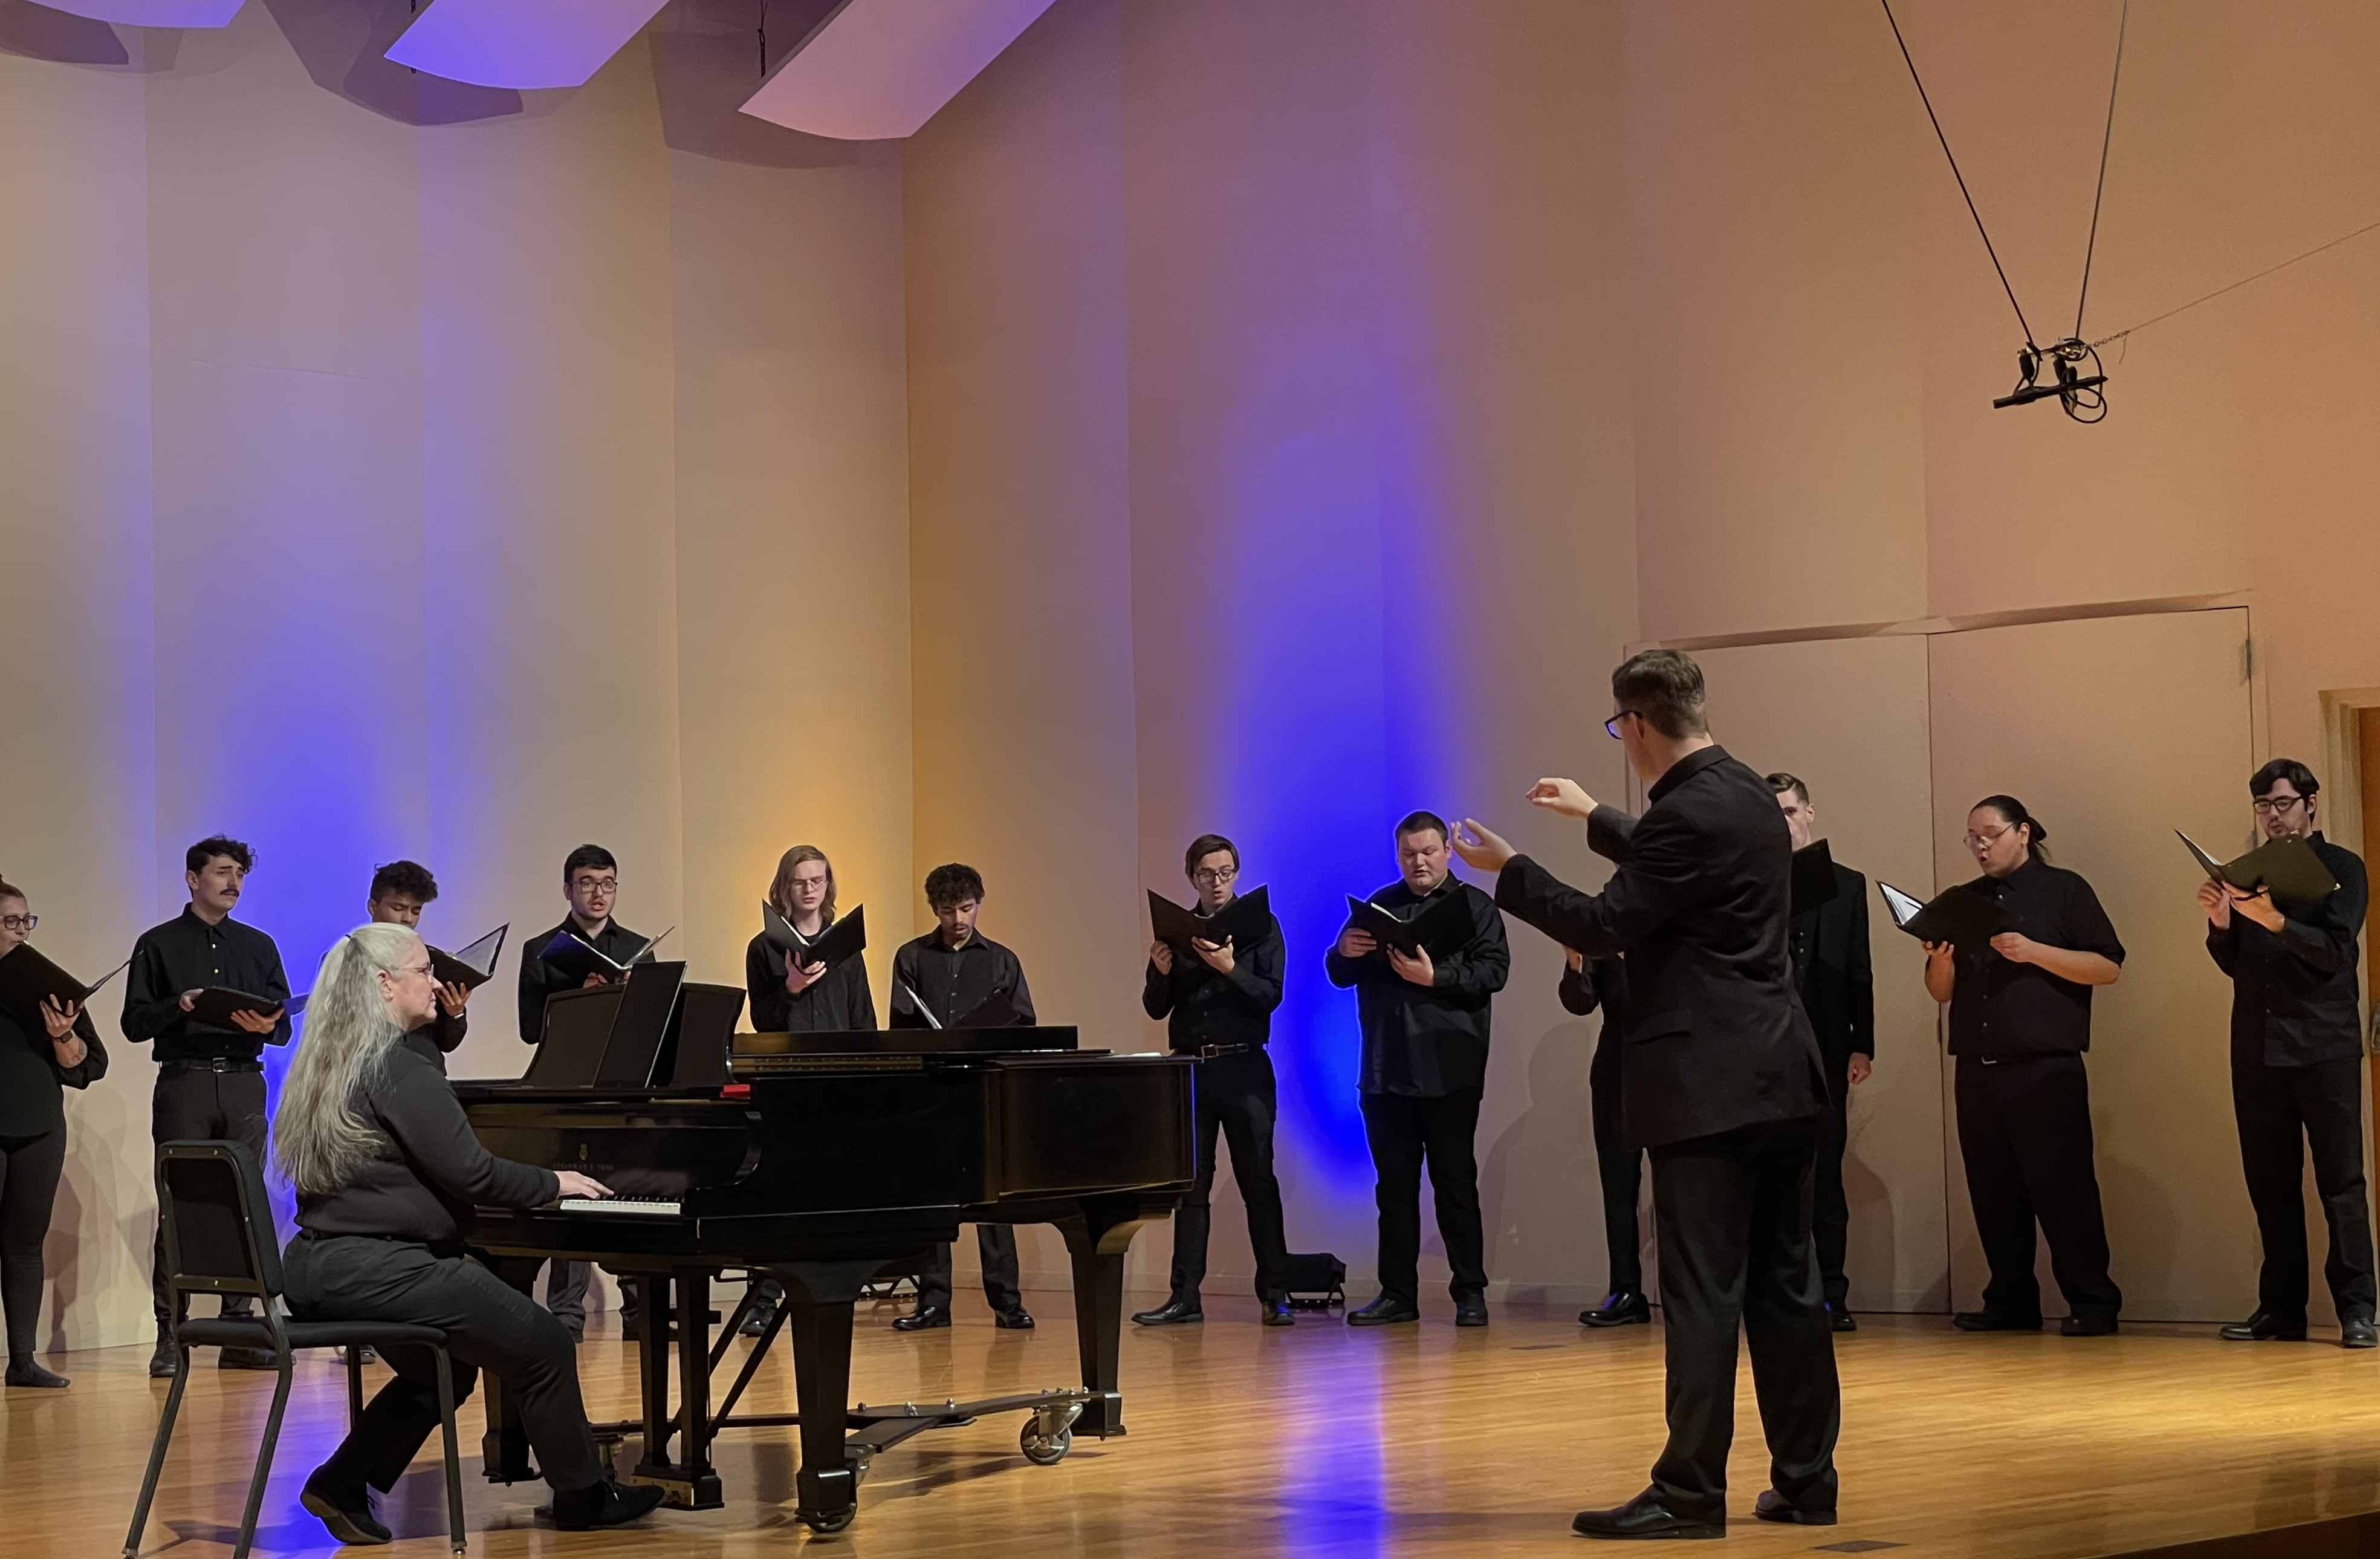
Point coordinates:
[(819, 1297), (689, 1482), (504, 1447), (694, 1389), (1097, 1237)]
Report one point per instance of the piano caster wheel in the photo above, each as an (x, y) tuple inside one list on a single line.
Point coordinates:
[(1044, 1450), (826, 1525)]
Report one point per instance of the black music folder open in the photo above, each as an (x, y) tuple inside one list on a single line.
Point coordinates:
[(1178, 927), (474, 966), (995, 1011), (215, 1005), (1959, 915), (842, 940), (2286, 867), (1442, 928), (1813, 878), (27, 980), (578, 957)]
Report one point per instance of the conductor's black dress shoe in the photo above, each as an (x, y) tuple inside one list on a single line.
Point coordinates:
[(1383, 1312), (1645, 1517), (925, 1319), (1621, 1306), (2264, 1327), (1774, 1506), (2356, 1332), (1173, 1312)]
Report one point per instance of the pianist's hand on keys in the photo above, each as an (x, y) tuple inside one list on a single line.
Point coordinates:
[(579, 1187)]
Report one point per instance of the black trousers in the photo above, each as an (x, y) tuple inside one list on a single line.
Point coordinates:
[(1619, 1166), (1830, 1213), (2282, 1111), (29, 1167), (565, 1294), (1404, 1131), (1235, 1098), (1731, 1212), (489, 1326), (996, 1243), (2024, 1133), (193, 1104)]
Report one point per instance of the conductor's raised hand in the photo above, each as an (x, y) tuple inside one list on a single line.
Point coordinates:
[(1216, 956), (1565, 797), (1414, 966), (576, 1184), (1161, 953), (1481, 850), (256, 1022), (1356, 943)]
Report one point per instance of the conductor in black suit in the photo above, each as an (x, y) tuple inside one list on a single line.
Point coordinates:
[(1722, 1084), (1830, 971)]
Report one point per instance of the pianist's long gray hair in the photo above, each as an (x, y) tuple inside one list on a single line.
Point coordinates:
[(318, 1139)]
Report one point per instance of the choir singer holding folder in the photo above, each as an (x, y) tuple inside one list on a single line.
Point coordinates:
[(1721, 1082)]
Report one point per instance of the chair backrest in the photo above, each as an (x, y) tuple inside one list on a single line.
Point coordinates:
[(216, 1220)]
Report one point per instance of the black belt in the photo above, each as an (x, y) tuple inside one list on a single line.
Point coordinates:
[(1215, 1052), (215, 1064)]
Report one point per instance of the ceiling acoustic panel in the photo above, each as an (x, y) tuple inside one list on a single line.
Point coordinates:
[(151, 13), (877, 69), (523, 45)]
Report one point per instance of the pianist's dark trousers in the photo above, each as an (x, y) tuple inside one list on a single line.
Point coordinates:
[(194, 1102), (1235, 1097), (489, 1325), (1404, 1131), (996, 1243), (565, 1294), (1731, 1213)]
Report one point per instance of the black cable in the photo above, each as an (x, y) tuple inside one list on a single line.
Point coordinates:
[(2105, 141), (1957, 174)]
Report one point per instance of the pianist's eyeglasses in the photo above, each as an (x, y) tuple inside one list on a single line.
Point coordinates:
[(1214, 876), (19, 922)]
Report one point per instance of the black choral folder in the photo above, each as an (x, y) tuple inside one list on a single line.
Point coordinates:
[(27, 980), (1178, 927), (1443, 928), (474, 966), (578, 957), (846, 936), (215, 1005), (1960, 916), (2287, 868)]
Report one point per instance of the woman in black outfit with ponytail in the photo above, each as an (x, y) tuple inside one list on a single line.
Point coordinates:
[(2020, 1022), (38, 1062)]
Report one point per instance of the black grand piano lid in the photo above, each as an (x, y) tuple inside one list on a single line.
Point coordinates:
[(908, 1042)]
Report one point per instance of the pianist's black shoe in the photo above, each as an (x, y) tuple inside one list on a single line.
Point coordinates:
[(1015, 1317), (2355, 1332), (605, 1505), (1621, 1306), (2264, 1327), (1645, 1517), (1385, 1310), (757, 1321), (925, 1320), (345, 1511), (1277, 1313), (246, 1359), (166, 1360), (1176, 1311)]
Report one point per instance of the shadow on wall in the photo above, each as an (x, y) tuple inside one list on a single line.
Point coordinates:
[(1549, 1146), (38, 32), (342, 44), (1871, 1231), (707, 62)]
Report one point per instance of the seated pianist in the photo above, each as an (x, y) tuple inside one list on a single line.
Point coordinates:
[(387, 1172)]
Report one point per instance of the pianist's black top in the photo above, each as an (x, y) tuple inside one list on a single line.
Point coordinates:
[(32, 1103), (953, 982), (540, 980), (1204, 1007), (186, 953), (431, 1170), (838, 1003)]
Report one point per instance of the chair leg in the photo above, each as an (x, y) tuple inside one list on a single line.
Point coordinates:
[(263, 1460), (355, 1387), (157, 1457), (454, 1451)]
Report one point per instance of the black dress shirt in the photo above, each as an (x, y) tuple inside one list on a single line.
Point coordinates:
[(186, 953), (1204, 1007), (431, 1170), (1832, 971), (1428, 1042), (540, 980), (2294, 991), (838, 1003), (953, 982), (2000, 1010), (32, 1103)]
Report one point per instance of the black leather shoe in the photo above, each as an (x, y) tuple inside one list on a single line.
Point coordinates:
[(348, 1513), (605, 1505), (2355, 1332), (26, 1371), (246, 1359), (1840, 1319), (757, 1320), (2087, 1326), (1015, 1317), (1992, 1321), (363, 1355), (1621, 1306), (1276, 1312), (2264, 1327), (1383, 1312), (1173, 1312), (1644, 1516), (165, 1361), (1471, 1313), (1774, 1506), (924, 1320)]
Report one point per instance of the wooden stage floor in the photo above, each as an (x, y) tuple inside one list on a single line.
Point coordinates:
[(1322, 1441)]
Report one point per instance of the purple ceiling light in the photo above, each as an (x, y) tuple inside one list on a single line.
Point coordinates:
[(524, 45), (877, 69), (151, 13)]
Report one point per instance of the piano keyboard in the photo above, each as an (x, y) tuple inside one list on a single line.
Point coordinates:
[(630, 1207)]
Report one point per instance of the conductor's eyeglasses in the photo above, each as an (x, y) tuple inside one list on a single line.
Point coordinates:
[(19, 922), (1611, 727), (2266, 806)]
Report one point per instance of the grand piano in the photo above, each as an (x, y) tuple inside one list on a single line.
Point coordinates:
[(830, 1161)]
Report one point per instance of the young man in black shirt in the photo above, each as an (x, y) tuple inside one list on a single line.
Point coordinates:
[(2297, 1068), (591, 882), (400, 891), (1218, 1009), (1424, 1021), (210, 1080), (940, 978)]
